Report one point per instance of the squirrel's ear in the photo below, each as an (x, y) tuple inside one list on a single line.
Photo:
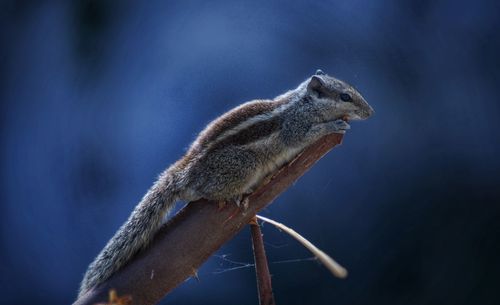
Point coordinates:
[(319, 72), (315, 84)]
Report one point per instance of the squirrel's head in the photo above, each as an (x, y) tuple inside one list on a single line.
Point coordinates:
[(346, 101)]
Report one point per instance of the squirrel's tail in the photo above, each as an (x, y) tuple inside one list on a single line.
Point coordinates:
[(134, 234)]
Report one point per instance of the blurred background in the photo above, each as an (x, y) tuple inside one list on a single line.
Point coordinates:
[(98, 97)]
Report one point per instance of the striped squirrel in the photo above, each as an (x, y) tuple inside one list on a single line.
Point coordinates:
[(231, 156)]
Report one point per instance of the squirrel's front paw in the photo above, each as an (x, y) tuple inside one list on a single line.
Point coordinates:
[(340, 126)]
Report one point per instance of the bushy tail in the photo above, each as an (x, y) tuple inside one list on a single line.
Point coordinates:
[(134, 234)]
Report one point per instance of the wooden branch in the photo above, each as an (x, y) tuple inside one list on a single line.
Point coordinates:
[(194, 234), (264, 286)]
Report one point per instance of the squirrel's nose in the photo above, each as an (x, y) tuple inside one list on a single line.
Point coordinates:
[(366, 112), (371, 111)]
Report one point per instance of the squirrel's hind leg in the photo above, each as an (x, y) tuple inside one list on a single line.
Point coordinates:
[(225, 175)]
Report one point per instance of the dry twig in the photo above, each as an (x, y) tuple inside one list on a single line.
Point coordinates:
[(334, 267), (264, 286)]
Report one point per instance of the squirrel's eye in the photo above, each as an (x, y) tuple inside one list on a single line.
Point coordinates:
[(345, 97)]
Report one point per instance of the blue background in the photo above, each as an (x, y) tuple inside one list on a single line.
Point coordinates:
[(98, 97)]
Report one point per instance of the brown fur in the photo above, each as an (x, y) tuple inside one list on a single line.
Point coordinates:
[(235, 117)]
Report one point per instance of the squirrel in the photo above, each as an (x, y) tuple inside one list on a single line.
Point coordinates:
[(231, 156)]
